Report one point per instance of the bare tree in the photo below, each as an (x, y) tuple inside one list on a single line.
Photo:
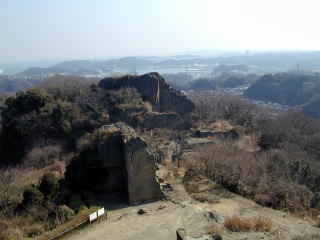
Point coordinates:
[(66, 88), (221, 105), (8, 188)]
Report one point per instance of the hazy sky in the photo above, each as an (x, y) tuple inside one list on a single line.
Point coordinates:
[(84, 29)]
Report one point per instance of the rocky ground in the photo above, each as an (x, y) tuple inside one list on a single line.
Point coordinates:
[(197, 205)]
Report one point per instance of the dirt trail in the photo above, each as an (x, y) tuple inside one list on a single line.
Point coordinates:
[(182, 210), (159, 223)]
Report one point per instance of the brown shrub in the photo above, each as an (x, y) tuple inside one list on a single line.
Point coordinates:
[(13, 183), (38, 213), (42, 156), (228, 164), (211, 106), (237, 224), (263, 224), (269, 178)]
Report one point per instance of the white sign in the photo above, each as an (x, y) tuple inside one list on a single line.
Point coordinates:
[(93, 216), (101, 212)]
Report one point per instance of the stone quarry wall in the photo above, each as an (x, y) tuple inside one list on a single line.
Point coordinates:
[(154, 89), (122, 162), (142, 184)]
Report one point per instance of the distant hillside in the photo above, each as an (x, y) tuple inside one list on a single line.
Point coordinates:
[(288, 89), (70, 67), (270, 61), (85, 67), (225, 80), (313, 106), (11, 84), (267, 61)]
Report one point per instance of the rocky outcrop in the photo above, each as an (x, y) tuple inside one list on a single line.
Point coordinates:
[(122, 163), (153, 89)]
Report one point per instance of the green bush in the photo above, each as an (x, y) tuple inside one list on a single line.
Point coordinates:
[(49, 185), (32, 196), (65, 213), (19, 120)]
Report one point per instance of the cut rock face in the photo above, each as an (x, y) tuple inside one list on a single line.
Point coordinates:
[(142, 184), (122, 163)]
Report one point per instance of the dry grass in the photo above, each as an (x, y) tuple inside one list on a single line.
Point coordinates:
[(237, 224), (14, 228), (13, 182), (80, 217), (307, 237), (13, 233), (221, 126), (263, 224)]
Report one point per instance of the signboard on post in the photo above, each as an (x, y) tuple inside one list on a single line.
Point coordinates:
[(101, 212), (93, 216)]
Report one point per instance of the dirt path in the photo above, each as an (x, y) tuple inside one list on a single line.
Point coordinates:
[(182, 210), (160, 222)]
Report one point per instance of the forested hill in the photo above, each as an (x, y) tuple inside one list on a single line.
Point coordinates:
[(288, 89)]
